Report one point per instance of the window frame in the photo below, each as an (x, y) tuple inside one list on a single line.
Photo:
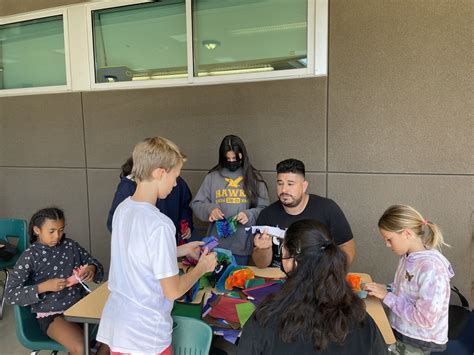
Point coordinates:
[(80, 58), (37, 15), (139, 84), (317, 38)]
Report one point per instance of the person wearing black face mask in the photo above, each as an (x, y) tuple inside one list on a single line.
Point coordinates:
[(233, 165), (232, 189)]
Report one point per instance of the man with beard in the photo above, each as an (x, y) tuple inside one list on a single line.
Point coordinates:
[(295, 204)]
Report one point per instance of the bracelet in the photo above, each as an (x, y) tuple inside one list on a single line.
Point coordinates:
[(389, 288)]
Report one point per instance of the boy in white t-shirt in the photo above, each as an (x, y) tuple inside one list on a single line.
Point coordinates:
[(143, 277)]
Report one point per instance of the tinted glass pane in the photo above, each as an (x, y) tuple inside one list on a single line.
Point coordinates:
[(140, 42), (32, 54), (236, 36)]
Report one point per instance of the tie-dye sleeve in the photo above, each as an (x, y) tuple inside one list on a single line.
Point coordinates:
[(432, 289)]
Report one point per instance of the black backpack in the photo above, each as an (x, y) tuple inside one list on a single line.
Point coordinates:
[(7, 250), (458, 316)]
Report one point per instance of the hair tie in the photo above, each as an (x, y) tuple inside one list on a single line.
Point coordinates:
[(424, 222), (325, 245)]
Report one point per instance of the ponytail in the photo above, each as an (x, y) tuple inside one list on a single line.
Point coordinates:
[(432, 236), (316, 303), (399, 217), (127, 167)]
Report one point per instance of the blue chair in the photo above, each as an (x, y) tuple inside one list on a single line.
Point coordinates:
[(29, 333), (11, 229), (191, 336)]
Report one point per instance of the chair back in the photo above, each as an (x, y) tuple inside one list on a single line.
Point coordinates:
[(191, 336), (14, 228), (29, 333)]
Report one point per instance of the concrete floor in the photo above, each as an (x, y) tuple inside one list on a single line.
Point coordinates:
[(9, 344)]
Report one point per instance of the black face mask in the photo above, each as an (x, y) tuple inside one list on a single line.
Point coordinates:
[(233, 165)]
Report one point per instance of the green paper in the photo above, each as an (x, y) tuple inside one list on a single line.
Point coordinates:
[(254, 282), (233, 294), (244, 311), (204, 282)]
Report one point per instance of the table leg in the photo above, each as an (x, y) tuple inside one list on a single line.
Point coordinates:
[(86, 339)]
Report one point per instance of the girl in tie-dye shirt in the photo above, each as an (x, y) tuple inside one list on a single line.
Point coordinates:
[(419, 296)]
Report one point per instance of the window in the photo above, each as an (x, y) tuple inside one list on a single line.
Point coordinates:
[(120, 44), (140, 42), (32, 54), (245, 36)]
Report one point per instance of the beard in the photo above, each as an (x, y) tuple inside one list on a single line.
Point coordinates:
[(289, 200)]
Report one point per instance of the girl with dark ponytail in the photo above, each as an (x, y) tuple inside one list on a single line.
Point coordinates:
[(49, 276), (316, 312)]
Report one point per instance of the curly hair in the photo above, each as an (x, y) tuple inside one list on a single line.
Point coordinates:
[(38, 219), (316, 303)]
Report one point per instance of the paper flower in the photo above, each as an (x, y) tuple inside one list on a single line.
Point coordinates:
[(238, 277), (226, 227)]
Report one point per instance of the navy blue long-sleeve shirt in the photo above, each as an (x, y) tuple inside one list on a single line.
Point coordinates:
[(40, 263), (175, 205)]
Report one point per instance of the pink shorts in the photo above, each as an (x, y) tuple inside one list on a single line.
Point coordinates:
[(167, 351)]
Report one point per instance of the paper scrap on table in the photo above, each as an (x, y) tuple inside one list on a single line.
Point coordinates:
[(244, 311)]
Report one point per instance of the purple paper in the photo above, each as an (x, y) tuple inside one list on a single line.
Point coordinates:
[(258, 293)]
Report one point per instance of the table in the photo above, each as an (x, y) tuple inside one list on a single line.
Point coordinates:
[(89, 309)]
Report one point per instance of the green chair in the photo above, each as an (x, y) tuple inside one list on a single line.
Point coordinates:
[(29, 334), (11, 229), (191, 336)]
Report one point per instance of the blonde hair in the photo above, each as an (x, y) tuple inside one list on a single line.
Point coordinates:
[(154, 153), (396, 218)]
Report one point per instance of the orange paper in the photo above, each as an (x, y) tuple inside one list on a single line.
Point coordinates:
[(354, 281), (237, 278)]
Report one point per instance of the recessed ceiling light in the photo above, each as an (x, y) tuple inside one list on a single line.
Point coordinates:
[(211, 44)]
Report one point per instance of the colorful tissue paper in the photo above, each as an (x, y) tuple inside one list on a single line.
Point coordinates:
[(244, 311), (210, 243), (254, 282), (226, 227), (74, 278), (224, 308), (237, 278), (258, 293), (357, 285)]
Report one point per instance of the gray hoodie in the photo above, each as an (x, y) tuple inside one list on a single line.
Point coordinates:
[(224, 189)]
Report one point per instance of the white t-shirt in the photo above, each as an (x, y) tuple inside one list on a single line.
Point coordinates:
[(137, 316)]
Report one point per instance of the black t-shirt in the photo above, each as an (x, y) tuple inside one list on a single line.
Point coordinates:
[(256, 340), (321, 209)]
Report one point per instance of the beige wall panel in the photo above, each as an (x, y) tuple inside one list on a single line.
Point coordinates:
[(276, 120), (400, 86), (23, 191), (42, 131), (445, 200), (12, 7)]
